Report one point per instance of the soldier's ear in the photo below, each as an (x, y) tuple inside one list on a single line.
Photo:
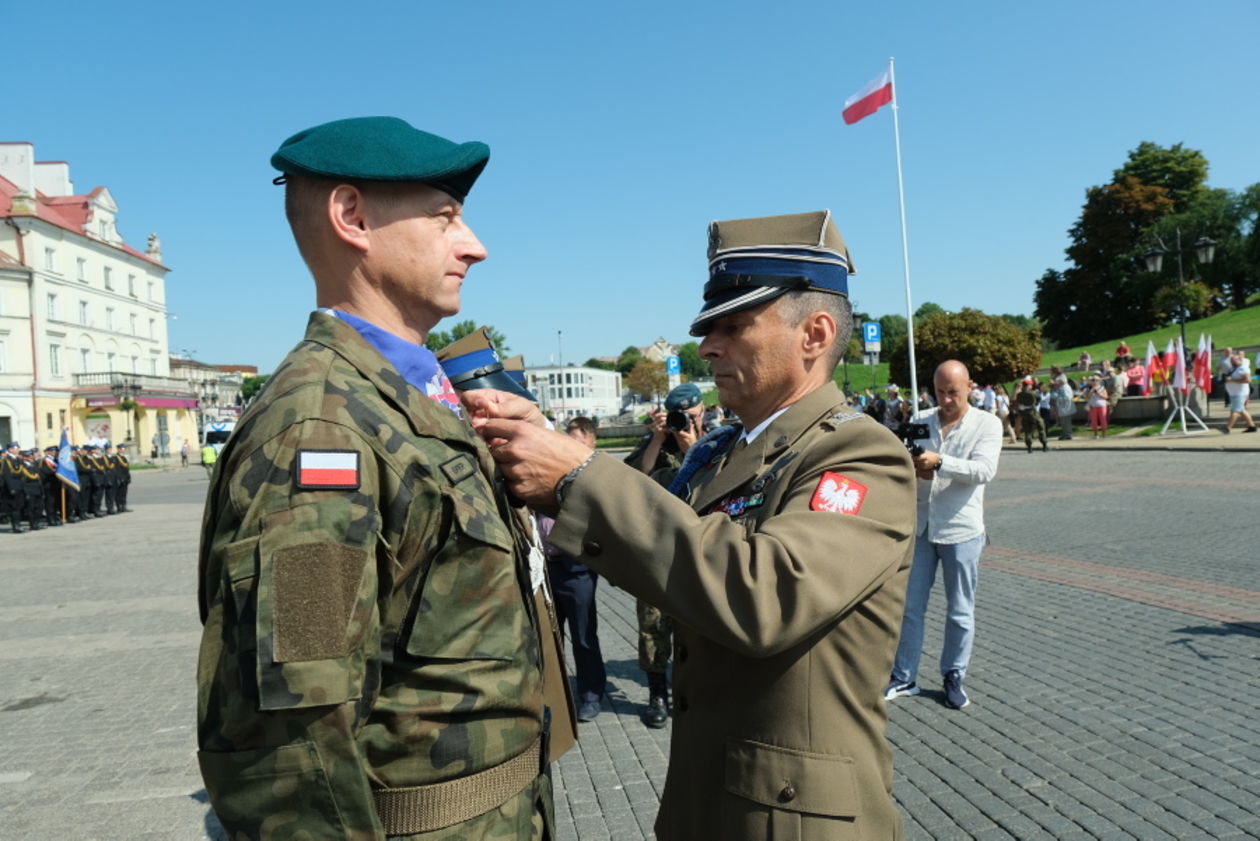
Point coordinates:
[(346, 209), (818, 332)]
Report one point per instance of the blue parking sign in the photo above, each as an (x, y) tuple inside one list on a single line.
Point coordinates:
[(673, 365), (870, 331)]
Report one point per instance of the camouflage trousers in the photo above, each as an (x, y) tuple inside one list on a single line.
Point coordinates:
[(656, 630), (1030, 422)]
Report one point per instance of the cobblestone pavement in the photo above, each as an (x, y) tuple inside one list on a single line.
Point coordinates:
[(1114, 681)]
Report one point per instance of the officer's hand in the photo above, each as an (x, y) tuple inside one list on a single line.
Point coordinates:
[(532, 460), (491, 403)]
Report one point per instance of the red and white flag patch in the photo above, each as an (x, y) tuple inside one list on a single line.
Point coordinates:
[(334, 469), (838, 494)]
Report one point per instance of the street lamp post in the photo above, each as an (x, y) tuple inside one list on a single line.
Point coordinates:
[(1204, 252), (125, 391)]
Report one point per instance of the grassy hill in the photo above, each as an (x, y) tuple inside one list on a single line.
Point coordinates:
[(1232, 328)]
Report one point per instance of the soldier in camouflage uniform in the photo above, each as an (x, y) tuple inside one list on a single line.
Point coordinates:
[(377, 659), (658, 454)]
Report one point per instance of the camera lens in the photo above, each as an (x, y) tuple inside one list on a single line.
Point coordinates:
[(676, 421)]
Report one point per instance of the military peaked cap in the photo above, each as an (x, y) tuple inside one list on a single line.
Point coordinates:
[(752, 261), (382, 149)]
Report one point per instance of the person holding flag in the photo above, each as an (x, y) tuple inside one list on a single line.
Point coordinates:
[(68, 477)]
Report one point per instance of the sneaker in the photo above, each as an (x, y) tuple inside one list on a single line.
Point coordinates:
[(1250, 429), (955, 697), (588, 710), (1225, 430), (897, 688)]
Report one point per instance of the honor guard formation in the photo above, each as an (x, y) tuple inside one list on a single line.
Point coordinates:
[(34, 494)]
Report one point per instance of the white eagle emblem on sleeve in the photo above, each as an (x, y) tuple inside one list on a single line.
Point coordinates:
[(838, 494)]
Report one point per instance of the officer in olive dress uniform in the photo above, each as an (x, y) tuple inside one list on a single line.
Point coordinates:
[(378, 656), (782, 556), (122, 466), (1027, 399)]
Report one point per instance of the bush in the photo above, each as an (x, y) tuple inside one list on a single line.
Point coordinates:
[(992, 348)]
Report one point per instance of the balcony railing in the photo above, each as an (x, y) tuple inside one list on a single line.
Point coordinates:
[(104, 379)]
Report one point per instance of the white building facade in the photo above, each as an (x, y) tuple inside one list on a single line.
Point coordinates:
[(83, 332), (575, 390)]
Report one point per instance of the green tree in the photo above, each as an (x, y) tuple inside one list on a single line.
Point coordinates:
[(439, 339), (630, 357), (994, 350), (648, 379), (927, 308), (892, 330), (1180, 171), (250, 386), (1196, 297), (694, 366), (601, 364)]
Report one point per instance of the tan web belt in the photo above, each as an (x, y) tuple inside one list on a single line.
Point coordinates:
[(407, 811)]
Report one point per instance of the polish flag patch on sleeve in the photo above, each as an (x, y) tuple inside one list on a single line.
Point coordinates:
[(328, 469), (838, 494)]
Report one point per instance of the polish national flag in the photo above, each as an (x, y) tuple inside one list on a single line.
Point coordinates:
[(1179, 367), (1170, 355), (1154, 367), (1203, 365), (869, 99)]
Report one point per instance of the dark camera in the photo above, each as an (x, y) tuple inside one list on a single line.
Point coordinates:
[(909, 433), (677, 421)]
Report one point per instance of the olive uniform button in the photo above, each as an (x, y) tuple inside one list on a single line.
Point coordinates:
[(788, 794), (681, 703), (592, 548)]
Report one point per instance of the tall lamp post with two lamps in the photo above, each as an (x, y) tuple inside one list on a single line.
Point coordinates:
[(1204, 252)]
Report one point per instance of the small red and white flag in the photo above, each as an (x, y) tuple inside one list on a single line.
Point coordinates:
[(1203, 364), (1154, 368), (332, 469), (1170, 356), (1179, 367), (869, 99)]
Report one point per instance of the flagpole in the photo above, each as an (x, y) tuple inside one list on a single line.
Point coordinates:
[(905, 244)]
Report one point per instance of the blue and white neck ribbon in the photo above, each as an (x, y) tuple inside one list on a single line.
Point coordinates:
[(700, 454)]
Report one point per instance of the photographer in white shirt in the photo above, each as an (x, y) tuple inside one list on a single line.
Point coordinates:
[(959, 458)]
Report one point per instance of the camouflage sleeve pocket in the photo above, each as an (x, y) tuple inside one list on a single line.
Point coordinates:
[(317, 615), (286, 787), (471, 605)]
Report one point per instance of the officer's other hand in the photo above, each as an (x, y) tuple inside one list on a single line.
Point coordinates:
[(483, 403), (532, 460)]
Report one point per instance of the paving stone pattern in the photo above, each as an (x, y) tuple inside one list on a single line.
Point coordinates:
[(1114, 682)]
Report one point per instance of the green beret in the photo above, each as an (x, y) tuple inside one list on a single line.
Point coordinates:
[(382, 149)]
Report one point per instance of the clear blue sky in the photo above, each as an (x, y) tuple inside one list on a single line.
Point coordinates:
[(619, 130)]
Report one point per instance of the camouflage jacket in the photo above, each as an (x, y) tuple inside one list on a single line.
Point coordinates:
[(378, 634)]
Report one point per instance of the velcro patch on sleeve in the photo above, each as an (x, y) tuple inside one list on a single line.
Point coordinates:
[(328, 469), (838, 494), (316, 585)]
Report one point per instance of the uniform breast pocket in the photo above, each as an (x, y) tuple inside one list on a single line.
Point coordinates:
[(471, 605), (789, 795)]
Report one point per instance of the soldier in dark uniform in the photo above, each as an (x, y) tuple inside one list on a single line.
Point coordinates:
[(123, 464), (11, 494), (76, 498), (109, 469), (32, 490), (659, 454), (52, 486), (90, 479), (378, 657)]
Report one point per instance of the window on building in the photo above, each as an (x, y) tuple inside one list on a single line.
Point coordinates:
[(81, 271), (53, 308), (135, 365), (132, 319), (131, 285), (85, 360), (152, 291), (2, 356), (109, 318), (50, 259), (104, 229), (153, 366), (152, 328), (109, 278), (83, 313), (48, 421), (54, 359), (109, 361)]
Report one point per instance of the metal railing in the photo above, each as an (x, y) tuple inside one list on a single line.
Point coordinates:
[(104, 379)]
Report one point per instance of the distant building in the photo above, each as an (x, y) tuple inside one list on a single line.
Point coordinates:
[(659, 350), (83, 340), (575, 390)]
